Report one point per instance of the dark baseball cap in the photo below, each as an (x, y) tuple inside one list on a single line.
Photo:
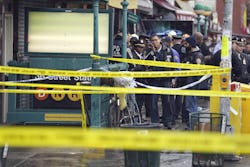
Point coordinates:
[(139, 43), (177, 37)]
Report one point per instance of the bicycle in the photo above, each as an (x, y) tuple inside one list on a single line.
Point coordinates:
[(129, 115)]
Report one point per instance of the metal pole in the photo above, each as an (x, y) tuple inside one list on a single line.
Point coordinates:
[(226, 53), (124, 27), (3, 97), (135, 26), (96, 12), (95, 115), (205, 25), (198, 23)]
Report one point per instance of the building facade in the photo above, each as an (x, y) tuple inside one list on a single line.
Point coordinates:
[(239, 15)]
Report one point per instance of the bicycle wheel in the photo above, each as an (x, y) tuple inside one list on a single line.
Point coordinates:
[(125, 117), (133, 109)]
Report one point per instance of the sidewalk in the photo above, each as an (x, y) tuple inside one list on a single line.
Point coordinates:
[(40, 157)]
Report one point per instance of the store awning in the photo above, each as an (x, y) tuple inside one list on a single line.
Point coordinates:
[(145, 6), (165, 4), (181, 14), (186, 12), (184, 5), (184, 15)]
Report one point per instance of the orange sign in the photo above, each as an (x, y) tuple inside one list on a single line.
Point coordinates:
[(41, 96)]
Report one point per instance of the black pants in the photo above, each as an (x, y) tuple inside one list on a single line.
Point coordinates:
[(146, 100), (180, 103), (167, 102)]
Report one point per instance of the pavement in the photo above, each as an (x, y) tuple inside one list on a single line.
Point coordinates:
[(41, 157)]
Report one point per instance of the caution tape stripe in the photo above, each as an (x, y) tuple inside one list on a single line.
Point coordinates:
[(157, 63), (75, 89), (124, 139), (37, 91), (118, 90), (158, 74)]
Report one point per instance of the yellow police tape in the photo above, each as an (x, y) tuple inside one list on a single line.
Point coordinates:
[(158, 74), (31, 91), (157, 63), (124, 139), (74, 89)]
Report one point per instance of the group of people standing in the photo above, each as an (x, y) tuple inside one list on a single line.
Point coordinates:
[(190, 49), (240, 59)]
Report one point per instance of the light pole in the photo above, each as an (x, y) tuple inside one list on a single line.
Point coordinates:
[(95, 115), (207, 12), (226, 56), (198, 9), (124, 4)]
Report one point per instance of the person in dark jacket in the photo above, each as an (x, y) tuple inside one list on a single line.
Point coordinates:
[(247, 48), (247, 52), (217, 53), (204, 49), (145, 38), (240, 63), (177, 45), (180, 81), (167, 41), (194, 56), (138, 52), (161, 53)]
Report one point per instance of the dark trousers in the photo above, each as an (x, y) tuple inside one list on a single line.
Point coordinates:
[(167, 105), (167, 115), (180, 108), (180, 103), (146, 100), (172, 108)]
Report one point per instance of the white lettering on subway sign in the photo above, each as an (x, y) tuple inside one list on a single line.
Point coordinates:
[(63, 78)]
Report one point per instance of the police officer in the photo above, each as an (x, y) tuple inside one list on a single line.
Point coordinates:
[(145, 38), (138, 52), (180, 81), (194, 56), (167, 41), (247, 52), (160, 52), (247, 48), (240, 64), (177, 45), (217, 51)]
